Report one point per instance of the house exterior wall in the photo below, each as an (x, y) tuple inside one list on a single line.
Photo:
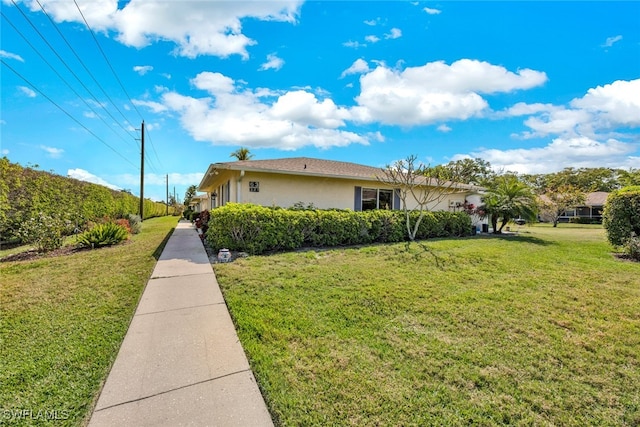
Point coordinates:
[(283, 190)]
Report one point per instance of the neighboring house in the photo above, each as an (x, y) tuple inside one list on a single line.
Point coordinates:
[(592, 208), (324, 184), (200, 202)]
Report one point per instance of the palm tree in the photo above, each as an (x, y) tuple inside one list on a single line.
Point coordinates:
[(242, 154), (509, 199)]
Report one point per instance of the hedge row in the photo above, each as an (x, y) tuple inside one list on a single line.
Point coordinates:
[(28, 193), (258, 229), (621, 216)]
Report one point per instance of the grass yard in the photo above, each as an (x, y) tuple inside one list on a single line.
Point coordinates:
[(62, 322), (542, 328)]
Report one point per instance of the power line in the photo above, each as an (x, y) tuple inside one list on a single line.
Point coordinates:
[(65, 81), (95, 39), (66, 65), (84, 65), (65, 112)]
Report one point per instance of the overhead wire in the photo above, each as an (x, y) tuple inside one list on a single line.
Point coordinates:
[(95, 39), (66, 112), (62, 78)]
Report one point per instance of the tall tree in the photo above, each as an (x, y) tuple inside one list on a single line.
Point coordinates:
[(630, 177), (554, 203), (242, 154), (507, 199), (472, 171), (189, 194), (419, 187)]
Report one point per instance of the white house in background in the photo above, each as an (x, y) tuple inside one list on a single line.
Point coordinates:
[(325, 184), (200, 202)]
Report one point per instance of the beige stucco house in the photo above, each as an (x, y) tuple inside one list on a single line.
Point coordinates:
[(325, 184)]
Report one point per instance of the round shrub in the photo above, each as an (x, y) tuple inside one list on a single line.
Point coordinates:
[(621, 217)]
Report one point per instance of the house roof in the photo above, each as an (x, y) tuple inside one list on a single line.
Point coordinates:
[(597, 198), (305, 166)]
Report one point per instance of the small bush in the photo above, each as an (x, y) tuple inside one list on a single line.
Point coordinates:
[(45, 231), (135, 224), (632, 247), (105, 234), (621, 217), (124, 223)]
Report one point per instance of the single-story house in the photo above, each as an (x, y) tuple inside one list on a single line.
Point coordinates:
[(591, 209), (199, 202), (325, 184)]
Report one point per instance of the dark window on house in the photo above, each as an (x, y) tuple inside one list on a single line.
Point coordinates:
[(373, 198)]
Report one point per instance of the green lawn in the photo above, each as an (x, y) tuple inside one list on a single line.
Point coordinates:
[(61, 324), (542, 328)]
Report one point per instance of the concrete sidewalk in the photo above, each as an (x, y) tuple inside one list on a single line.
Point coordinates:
[(181, 362)]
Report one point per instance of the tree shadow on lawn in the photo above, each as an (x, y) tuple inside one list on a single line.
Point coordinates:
[(516, 237)]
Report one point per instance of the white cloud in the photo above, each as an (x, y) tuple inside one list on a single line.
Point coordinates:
[(156, 107), (372, 39), (9, 55), (90, 115), (617, 103), (4, 152), (166, 76), (83, 175), (232, 115), (54, 153), (592, 131), (273, 63), (372, 22), (577, 152), (611, 40), (394, 34), (359, 66), (142, 69), (435, 91), (444, 128), (432, 11), (26, 91), (196, 27), (354, 44)]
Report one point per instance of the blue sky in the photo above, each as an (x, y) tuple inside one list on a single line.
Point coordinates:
[(532, 87)]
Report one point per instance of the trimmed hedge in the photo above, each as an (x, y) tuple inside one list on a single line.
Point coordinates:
[(621, 217), (27, 193), (258, 229)]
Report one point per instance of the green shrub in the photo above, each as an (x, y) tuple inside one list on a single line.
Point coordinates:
[(621, 217), (257, 229), (135, 223), (632, 247), (105, 234), (45, 231)]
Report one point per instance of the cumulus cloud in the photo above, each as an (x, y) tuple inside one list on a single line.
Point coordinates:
[(435, 91), (354, 44), (273, 63), (372, 39), (611, 40), (595, 130), (359, 66), (195, 27), (395, 33), (27, 91), (142, 69), (444, 128), (54, 153), (86, 176), (9, 55), (234, 115), (432, 11)]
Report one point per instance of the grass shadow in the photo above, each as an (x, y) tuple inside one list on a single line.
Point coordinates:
[(161, 246), (518, 238)]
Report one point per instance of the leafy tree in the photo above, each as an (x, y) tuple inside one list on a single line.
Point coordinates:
[(553, 204), (507, 199), (189, 195), (629, 178), (585, 179), (472, 171), (242, 154), (420, 186)]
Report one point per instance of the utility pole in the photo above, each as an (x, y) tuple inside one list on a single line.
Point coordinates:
[(142, 173), (167, 195)]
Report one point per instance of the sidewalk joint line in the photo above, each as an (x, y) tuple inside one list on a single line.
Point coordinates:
[(180, 308), (174, 389), (182, 275)]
